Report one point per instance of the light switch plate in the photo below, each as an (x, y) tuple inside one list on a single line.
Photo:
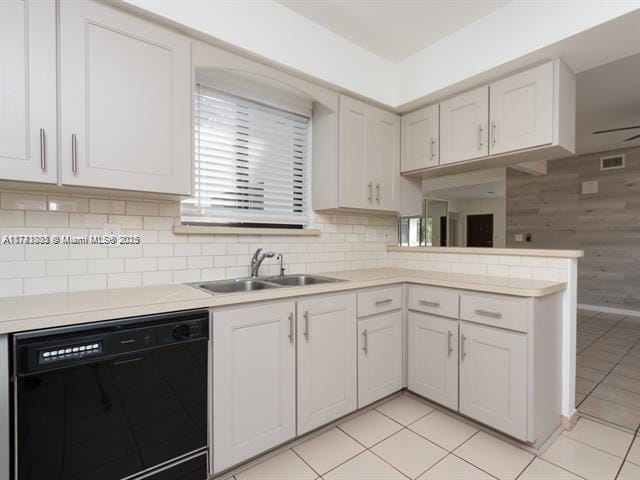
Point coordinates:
[(519, 237)]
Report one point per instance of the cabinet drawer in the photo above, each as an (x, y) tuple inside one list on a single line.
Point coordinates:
[(438, 301), (379, 300), (495, 310)]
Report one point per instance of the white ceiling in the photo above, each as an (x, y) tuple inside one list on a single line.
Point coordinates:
[(393, 29), (608, 97)]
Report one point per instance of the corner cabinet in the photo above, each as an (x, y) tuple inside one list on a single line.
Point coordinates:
[(254, 381), (125, 101), (420, 139), (327, 386), (28, 134), (363, 173)]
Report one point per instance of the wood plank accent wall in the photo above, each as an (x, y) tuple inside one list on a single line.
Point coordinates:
[(605, 225)]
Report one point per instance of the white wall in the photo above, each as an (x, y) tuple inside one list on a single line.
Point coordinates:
[(495, 206)]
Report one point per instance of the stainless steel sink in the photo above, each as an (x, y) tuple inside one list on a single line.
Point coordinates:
[(237, 285), (301, 280)]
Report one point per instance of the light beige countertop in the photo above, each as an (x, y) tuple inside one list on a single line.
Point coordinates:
[(524, 252), (58, 309)]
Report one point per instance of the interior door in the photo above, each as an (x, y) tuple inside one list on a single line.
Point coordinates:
[(421, 139), (125, 101), (493, 378), (433, 358), (28, 135), (386, 137), (480, 230), (253, 381), (327, 373), (379, 357), (355, 138), (522, 110), (463, 126)]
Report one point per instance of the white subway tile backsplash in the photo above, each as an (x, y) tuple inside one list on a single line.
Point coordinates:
[(87, 282), (347, 242)]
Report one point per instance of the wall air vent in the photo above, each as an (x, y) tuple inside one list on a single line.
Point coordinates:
[(612, 162)]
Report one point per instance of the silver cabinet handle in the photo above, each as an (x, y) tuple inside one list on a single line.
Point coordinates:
[(462, 352), (365, 341), (432, 148), (429, 303), (493, 133), (43, 149), (382, 302), (480, 130), (291, 328), (378, 192), (487, 313), (450, 348), (74, 153), (306, 333), (370, 186)]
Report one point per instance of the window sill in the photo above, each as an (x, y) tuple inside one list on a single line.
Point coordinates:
[(210, 230)]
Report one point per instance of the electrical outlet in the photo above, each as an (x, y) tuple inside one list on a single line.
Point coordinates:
[(386, 236), (112, 229)]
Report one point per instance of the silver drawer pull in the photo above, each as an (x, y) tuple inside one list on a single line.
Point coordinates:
[(43, 149), (462, 352), (74, 153), (449, 347), (291, 328), (429, 303), (488, 313), (306, 332), (382, 302), (365, 342)]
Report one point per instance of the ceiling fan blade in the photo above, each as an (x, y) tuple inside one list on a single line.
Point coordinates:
[(632, 138), (616, 129)]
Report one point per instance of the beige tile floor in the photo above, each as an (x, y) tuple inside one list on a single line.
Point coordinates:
[(608, 368), (406, 438)]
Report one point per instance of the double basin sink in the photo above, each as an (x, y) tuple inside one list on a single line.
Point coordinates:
[(237, 285)]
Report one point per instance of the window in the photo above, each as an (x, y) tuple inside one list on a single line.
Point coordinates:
[(251, 163)]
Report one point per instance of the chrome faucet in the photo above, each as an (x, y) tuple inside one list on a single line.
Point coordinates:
[(257, 259)]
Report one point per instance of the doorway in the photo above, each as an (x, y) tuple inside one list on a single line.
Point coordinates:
[(480, 230)]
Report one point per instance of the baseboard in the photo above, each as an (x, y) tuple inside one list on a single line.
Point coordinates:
[(621, 311), (569, 422)]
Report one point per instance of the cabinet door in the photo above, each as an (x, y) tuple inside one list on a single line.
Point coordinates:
[(493, 378), (28, 147), (356, 174), (253, 381), (379, 357), (386, 155), (522, 110), (433, 358), (463, 126), (326, 359), (421, 139), (125, 101)]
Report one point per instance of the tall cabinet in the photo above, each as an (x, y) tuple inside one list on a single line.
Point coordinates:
[(28, 90), (125, 101)]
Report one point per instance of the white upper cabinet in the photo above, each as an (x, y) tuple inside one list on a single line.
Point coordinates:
[(521, 109), (28, 147), (327, 372), (421, 139), (463, 126), (369, 158), (357, 171), (125, 85)]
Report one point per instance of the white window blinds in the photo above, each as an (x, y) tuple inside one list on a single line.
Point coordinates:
[(251, 162)]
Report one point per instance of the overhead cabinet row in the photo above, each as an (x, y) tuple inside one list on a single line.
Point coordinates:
[(125, 99), (530, 112)]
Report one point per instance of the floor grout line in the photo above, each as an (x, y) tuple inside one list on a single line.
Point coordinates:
[(624, 460)]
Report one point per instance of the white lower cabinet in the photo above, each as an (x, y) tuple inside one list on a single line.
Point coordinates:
[(379, 357), (327, 387), (253, 381), (494, 378), (433, 358)]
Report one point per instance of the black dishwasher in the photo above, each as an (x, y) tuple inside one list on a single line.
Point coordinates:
[(113, 400)]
